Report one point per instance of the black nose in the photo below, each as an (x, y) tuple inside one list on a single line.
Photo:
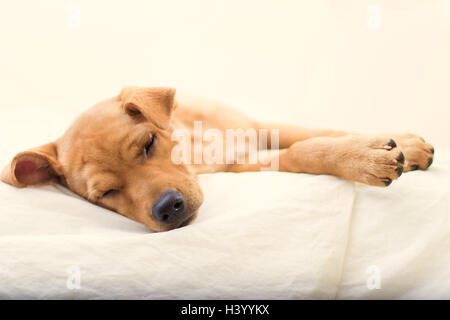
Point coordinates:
[(169, 208)]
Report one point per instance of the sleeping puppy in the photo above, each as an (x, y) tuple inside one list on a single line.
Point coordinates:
[(138, 154)]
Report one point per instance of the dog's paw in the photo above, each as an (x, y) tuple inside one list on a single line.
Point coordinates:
[(372, 160), (418, 153)]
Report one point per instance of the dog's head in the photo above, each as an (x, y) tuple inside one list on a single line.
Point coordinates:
[(117, 155)]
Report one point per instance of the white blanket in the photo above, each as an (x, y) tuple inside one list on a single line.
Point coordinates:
[(258, 235)]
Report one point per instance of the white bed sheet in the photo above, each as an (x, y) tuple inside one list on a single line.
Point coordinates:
[(402, 233), (258, 235)]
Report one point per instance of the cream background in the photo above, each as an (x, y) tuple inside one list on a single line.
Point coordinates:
[(315, 63)]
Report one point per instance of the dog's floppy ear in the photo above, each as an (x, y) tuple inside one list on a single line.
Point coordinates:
[(33, 167), (154, 104)]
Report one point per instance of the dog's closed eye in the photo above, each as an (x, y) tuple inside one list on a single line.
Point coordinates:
[(148, 146), (109, 193)]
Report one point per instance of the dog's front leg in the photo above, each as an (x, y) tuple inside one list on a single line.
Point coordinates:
[(372, 160)]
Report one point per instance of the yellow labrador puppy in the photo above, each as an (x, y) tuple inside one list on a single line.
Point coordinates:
[(124, 154)]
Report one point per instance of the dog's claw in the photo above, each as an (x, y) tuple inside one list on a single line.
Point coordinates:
[(401, 158), (399, 171)]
